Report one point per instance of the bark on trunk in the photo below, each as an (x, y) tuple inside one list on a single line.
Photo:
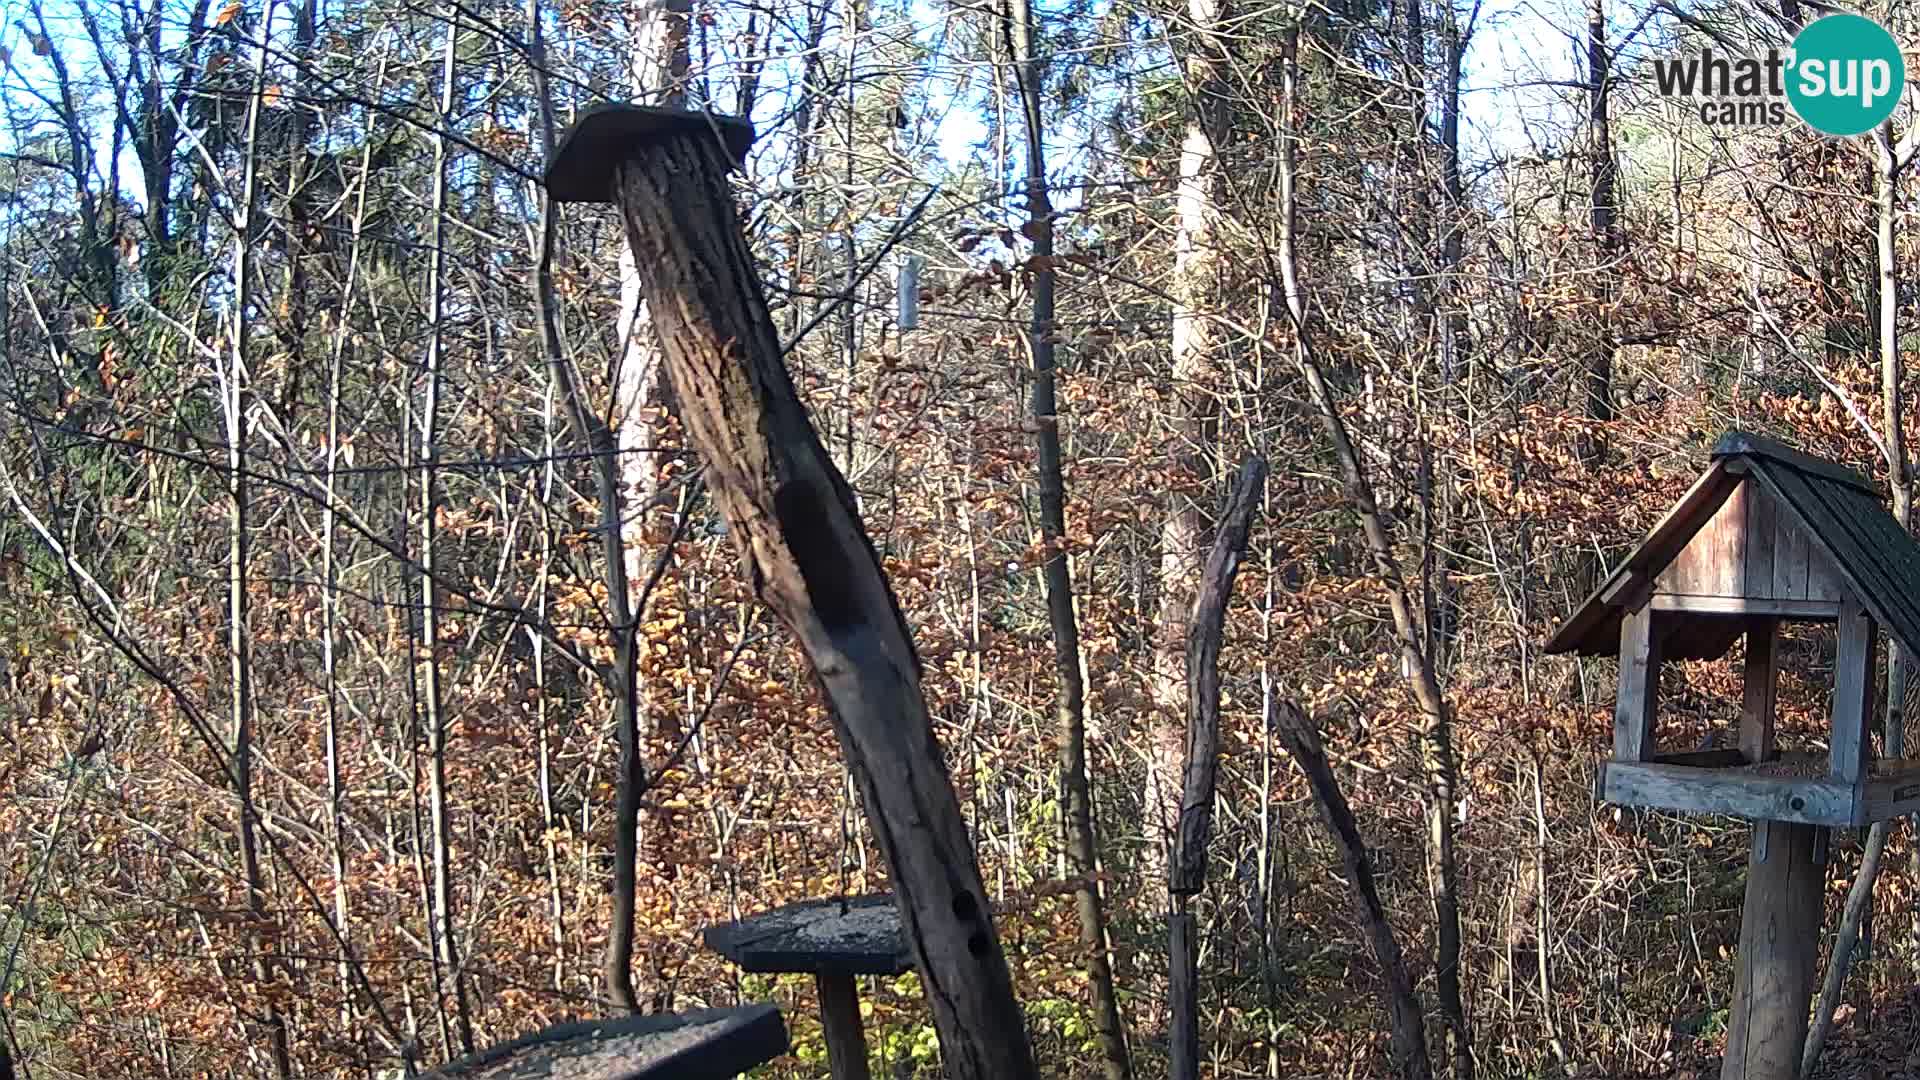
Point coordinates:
[(1597, 370), (237, 399), (1188, 865), (446, 951), (659, 70), (1205, 628), (791, 515)]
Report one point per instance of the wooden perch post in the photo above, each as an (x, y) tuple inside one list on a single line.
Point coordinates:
[(792, 516), (1187, 869), (1188, 872)]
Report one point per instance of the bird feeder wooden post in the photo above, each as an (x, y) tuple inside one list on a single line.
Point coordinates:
[(1768, 536), (792, 516)]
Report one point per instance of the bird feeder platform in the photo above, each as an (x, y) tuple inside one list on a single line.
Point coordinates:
[(710, 1044), (833, 940), (1767, 536)]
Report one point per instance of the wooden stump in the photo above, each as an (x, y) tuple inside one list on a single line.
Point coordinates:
[(1779, 943)]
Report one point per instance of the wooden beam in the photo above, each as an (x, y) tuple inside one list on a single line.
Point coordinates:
[(792, 517), (1762, 685), (840, 1020), (1627, 591), (1812, 610), (1779, 940), (1743, 442), (1702, 759), (1639, 694), (1849, 750), (1817, 800)]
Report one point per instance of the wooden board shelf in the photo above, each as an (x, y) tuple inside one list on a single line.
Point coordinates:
[(1792, 787)]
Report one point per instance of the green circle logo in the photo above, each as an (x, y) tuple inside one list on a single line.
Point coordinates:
[(1845, 75)]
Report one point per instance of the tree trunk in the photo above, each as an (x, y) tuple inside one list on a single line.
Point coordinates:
[(1297, 732), (237, 400), (792, 517), (1437, 723), (1070, 691), (659, 71), (1597, 370), (445, 948), (1188, 865), (1893, 445), (1195, 289)]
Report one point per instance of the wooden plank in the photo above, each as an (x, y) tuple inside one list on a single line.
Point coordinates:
[(1743, 605), (1742, 442), (1763, 523), (1779, 941), (1789, 558), (1702, 759), (1639, 693), (707, 1044), (1762, 680), (1630, 590), (840, 1022), (1809, 800), (1889, 795), (1183, 997), (1823, 580), (1728, 546), (1852, 678)]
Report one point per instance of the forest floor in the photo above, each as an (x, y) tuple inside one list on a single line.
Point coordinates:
[(1889, 1049)]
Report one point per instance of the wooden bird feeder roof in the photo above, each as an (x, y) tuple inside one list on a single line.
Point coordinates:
[(711, 1044), (1837, 535), (856, 936)]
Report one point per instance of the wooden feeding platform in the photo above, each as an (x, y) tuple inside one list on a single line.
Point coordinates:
[(711, 1044), (1767, 536), (833, 940)]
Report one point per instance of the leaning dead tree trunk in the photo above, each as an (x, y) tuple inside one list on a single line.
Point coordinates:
[(1188, 870), (1302, 740), (792, 515)]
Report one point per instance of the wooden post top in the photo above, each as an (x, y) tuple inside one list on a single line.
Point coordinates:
[(605, 135)]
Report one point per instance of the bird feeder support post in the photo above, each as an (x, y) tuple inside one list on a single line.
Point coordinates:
[(792, 516), (840, 1019)]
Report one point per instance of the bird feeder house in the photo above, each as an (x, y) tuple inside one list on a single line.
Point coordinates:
[(1767, 537)]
